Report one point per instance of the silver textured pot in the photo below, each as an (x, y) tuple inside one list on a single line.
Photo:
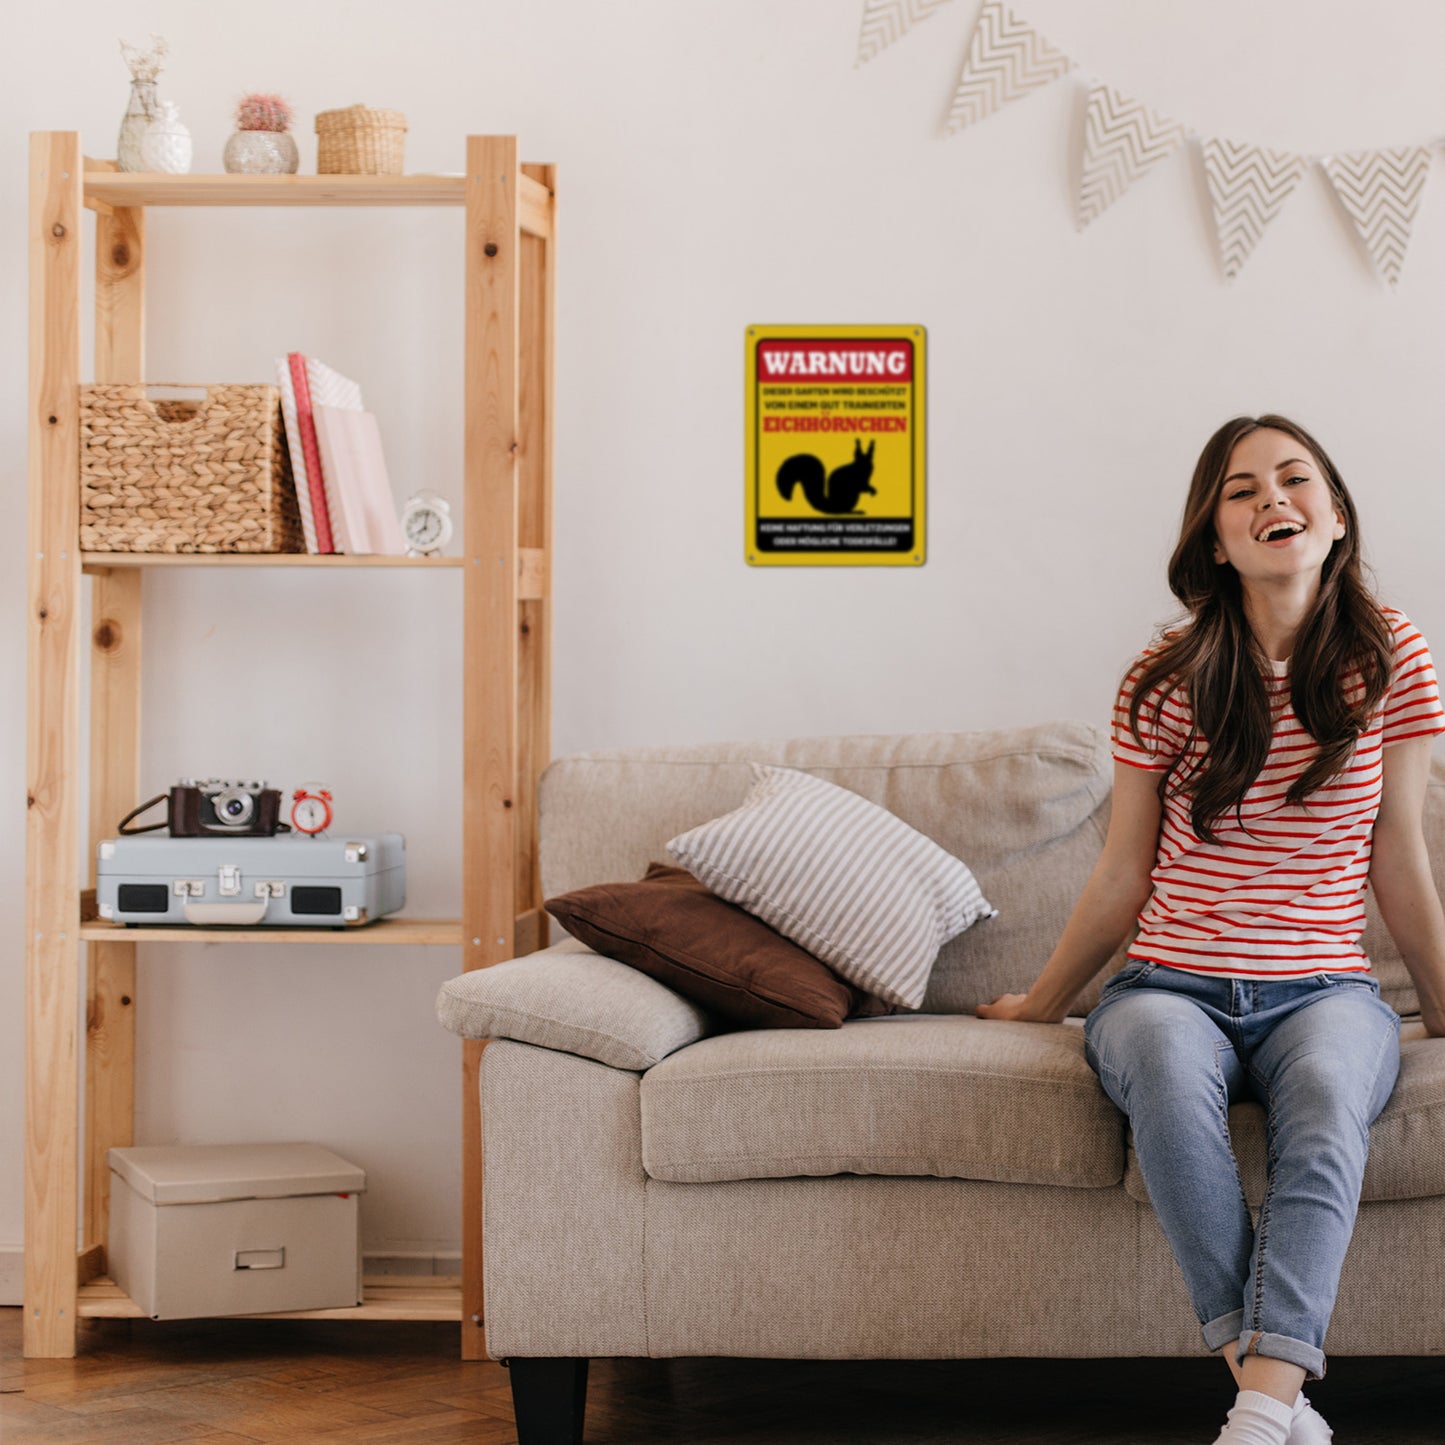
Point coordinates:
[(261, 153)]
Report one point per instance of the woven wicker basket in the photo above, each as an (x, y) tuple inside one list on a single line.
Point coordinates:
[(359, 142), (186, 476)]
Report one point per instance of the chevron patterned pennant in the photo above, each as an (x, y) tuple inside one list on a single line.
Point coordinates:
[(1006, 59), (885, 21), (1248, 186), (1381, 190), (1122, 140)]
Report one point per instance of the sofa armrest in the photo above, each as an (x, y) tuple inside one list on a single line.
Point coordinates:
[(575, 1001)]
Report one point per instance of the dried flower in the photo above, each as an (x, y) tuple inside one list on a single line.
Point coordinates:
[(144, 64), (263, 112)]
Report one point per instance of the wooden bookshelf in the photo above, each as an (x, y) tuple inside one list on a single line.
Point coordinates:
[(508, 289)]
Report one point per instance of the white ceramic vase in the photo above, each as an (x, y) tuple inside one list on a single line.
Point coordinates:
[(261, 152), (166, 146)]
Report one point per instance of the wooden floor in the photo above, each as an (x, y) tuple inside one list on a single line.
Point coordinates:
[(136, 1383)]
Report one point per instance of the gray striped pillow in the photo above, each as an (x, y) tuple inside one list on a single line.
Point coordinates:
[(845, 879)]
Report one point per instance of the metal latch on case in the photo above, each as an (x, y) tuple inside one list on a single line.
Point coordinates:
[(228, 877), (260, 1259)]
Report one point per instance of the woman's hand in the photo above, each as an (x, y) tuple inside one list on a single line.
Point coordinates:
[(1011, 1006)]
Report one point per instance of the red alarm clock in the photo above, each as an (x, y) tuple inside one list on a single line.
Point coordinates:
[(311, 809)]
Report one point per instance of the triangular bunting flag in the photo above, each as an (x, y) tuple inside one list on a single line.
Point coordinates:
[(1122, 140), (885, 20), (1381, 190), (1248, 186), (1006, 59)]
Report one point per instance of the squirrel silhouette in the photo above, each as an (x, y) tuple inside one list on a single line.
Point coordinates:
[(834, 492)]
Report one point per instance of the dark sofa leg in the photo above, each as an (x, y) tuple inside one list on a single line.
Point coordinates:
[(549, 1398)]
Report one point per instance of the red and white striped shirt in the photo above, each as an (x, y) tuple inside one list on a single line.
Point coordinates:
[(1286, 898)]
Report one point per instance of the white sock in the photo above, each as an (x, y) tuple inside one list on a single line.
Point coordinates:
[(1257, 1419), (1307, 1425)]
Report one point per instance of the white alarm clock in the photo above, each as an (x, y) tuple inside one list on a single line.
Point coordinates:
[(311, 809), (426, 524)]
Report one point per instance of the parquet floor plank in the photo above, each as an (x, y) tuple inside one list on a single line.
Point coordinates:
[(247, 1382)]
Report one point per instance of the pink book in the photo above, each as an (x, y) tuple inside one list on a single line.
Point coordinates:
[(363, 510), (306, 425)]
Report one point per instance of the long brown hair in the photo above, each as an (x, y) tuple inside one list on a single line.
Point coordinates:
[(1219, 663)]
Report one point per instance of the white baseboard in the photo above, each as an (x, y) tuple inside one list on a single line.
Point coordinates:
[(12, 1274), (12, 1268)]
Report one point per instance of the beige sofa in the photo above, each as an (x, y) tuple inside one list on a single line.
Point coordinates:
[(916, 1186)]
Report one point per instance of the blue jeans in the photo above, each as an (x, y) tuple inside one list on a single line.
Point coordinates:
[(1173, 1050)]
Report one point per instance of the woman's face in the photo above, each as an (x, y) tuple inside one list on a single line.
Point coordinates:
[(1274, 518)]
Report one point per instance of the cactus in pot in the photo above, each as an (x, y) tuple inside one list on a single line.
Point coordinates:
[(262, 143)]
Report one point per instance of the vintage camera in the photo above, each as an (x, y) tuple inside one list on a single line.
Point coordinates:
[(217, 806), (214, 806)]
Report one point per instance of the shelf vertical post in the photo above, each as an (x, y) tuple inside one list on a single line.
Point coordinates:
[(537, 298), (115, 640), (52, 891), (489, 705)]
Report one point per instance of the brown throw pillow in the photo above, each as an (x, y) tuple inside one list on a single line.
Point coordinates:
[(670, 927)]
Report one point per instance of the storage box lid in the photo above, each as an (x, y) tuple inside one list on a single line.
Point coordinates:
[(210, 1173)]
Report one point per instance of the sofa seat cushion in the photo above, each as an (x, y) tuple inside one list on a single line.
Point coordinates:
[(1407, 1141), (952, 1097)]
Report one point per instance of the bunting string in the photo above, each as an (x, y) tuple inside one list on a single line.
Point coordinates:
[(1124, 139)]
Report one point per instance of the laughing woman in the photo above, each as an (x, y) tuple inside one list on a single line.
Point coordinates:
[(1271, 758)]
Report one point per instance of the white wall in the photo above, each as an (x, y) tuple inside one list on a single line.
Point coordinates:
[(721, 164)]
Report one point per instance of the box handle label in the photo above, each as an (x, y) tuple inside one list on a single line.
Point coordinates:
[(260, 1259)]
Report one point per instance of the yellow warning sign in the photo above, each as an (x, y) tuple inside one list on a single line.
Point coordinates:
[(835, 445)]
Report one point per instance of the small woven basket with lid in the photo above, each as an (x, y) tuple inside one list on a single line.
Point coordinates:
[(359, 142)]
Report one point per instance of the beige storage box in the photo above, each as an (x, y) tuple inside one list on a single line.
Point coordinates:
[(235, 1229)]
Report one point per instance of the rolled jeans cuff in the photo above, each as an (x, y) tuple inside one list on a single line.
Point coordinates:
[(1282, 1347), (1223, 1331)]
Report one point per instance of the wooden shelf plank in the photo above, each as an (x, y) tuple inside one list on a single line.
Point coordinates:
[(386, 1297), (99, 561), (532, 564), (384, 930), (145, 188), (107, 188)]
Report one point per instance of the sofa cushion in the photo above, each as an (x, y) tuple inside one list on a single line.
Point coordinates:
[(1407, 1141), (952, 1097), (842, 877), (575, 1001), (674, 929)]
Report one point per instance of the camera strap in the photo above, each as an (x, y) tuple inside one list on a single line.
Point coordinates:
[(144, 807)]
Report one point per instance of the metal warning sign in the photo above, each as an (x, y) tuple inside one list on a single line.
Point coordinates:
[(835, 445)]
